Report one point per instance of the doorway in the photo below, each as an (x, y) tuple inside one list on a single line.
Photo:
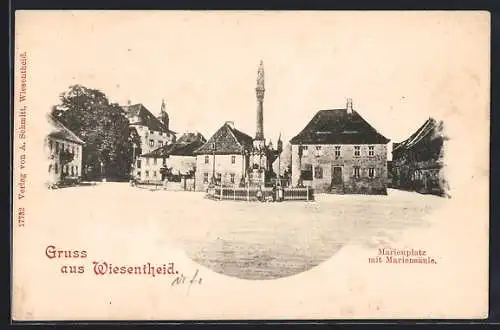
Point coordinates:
[(336, 175)]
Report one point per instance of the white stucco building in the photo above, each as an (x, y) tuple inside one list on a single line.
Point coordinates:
[(60, 140)]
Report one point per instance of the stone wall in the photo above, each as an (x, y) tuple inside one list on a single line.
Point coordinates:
[(323, 161)]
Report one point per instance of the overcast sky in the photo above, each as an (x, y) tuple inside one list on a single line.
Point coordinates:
[(399, 68)]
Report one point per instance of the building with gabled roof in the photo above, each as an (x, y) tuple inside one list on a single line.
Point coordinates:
[(154, 133), (177, 158), (223, 158), (417, 162), (58, 139), (338, 151)]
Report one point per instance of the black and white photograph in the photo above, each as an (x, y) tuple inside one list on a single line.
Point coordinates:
[(251, 165)]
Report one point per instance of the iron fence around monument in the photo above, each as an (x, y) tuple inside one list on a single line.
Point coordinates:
[(268, 194)]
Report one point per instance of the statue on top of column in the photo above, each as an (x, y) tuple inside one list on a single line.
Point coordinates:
[(260, 75)]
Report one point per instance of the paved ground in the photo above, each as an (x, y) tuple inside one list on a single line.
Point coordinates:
[(251, 240)]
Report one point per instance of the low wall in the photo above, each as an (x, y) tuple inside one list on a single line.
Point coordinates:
[(183, 185)]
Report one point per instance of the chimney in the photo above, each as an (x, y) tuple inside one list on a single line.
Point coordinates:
[(349, 106), (129, 102), (230, 123)]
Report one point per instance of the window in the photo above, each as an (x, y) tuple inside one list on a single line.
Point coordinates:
[(76, 169), (147, 174), (318, 172), (318, 148), (160, 143), (337, 151), (371, 150), (151, 143), (154, 174), (357, 151), (356, 172), (56, 167), (139, 174), (50, 168), (51, 145), (66, 169), (72, 170), (57, 147), (233, 159), (232, 177), (306, 173), (147, 161), (205, 177), (371, 172), (62, 146), (219, 177), (207, 159), (138, 163), (154, 161), (305, 148)]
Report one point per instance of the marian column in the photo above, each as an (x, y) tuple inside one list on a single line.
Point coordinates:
[(259, 140), (259, 152)]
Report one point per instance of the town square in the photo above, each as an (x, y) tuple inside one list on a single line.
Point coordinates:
[(244, 239), (230, 165), (235, 202)]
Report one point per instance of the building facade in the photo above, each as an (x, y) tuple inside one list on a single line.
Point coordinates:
[(64, 152), (417, 162), (172, 161), (154, 133), (339, 152), (224, 158)]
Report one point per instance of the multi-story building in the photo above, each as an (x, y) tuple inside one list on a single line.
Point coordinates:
[(64, 149), (224, 158), (176, 159), (154, 133), (340, 152), (231, 157), (417, 162)]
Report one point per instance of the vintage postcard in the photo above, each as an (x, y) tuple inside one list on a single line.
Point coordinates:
[(241, 165)]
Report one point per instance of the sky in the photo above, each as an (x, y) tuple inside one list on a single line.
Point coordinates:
[(399, 68)]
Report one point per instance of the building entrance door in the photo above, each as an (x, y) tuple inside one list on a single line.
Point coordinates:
[(336, 175)]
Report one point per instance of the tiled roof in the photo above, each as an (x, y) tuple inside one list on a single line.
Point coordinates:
[(228, 140), (336, 126), (59, 131), (145, 117), (428, 129), (185, 146)]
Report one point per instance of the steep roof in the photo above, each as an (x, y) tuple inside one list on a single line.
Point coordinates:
[(145, 117), (428, 129), (228, 140), (185, 146), (59, 131), (336, 126)]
